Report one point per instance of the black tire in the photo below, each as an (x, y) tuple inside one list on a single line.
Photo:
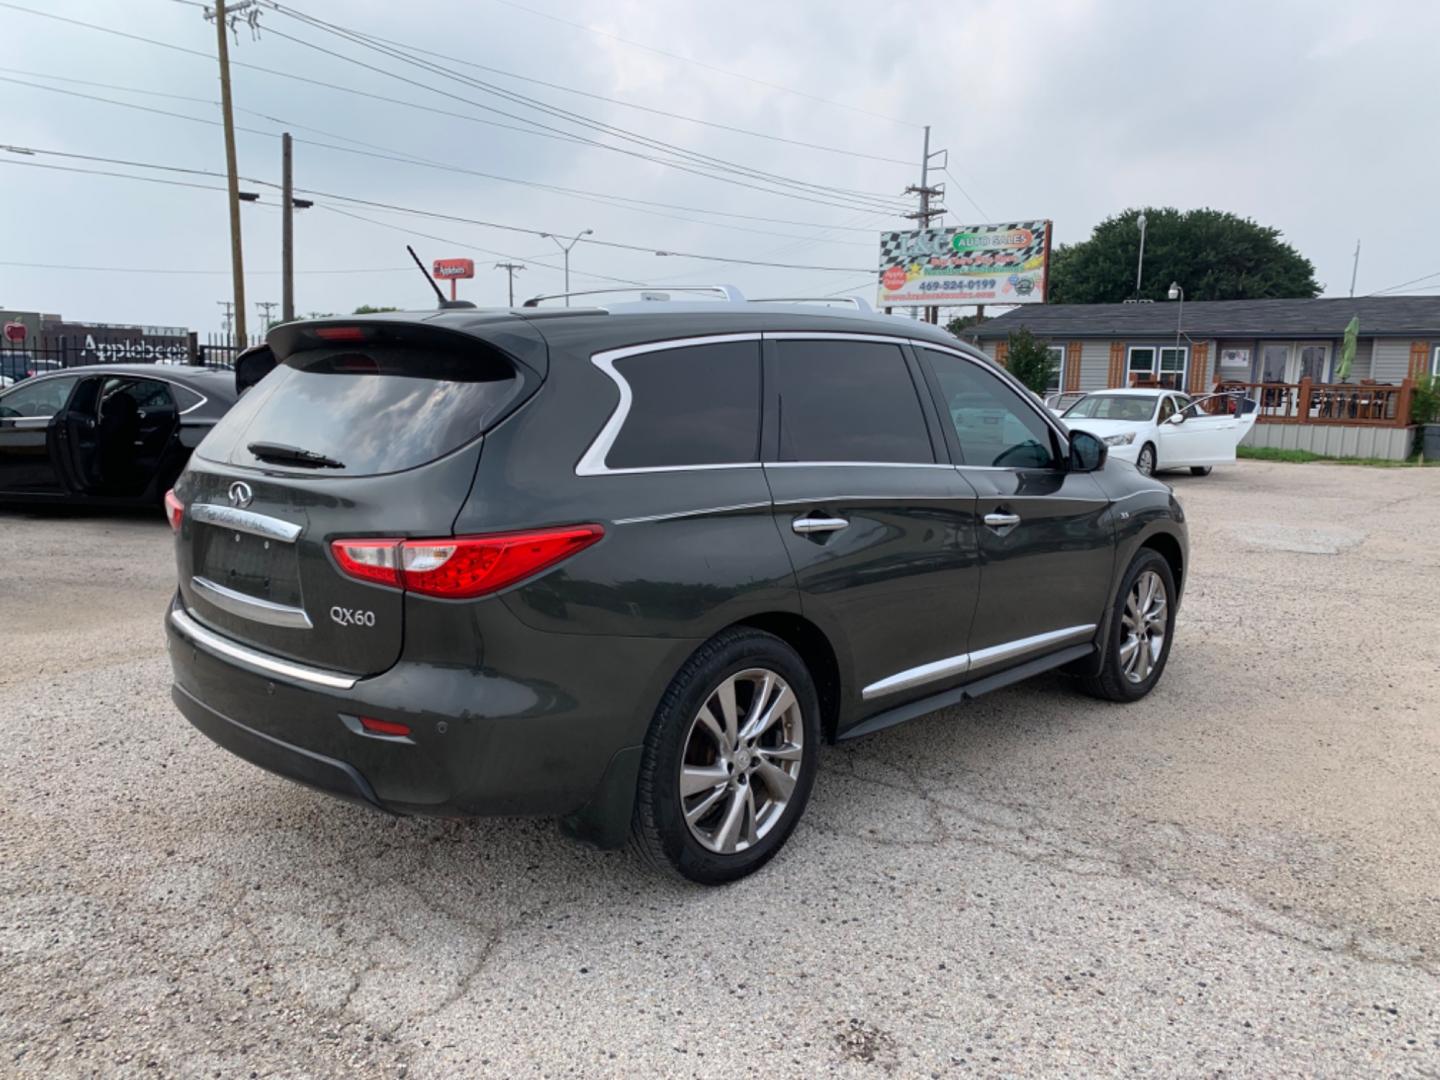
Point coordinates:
[(1112, 683), (658, 828), (1199, 470), (1145, 461)]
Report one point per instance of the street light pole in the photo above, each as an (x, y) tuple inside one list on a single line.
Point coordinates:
[(1140, 263), (1177, 293), (566, 249)]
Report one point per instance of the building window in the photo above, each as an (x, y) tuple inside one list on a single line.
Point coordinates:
[(1055, 382), (1149, 365)]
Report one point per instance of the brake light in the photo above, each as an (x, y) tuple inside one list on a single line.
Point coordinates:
[(369, 560), (341, 333), (174, 509), (462, 567)]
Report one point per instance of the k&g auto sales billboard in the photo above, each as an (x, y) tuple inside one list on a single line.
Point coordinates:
[(970, 264)]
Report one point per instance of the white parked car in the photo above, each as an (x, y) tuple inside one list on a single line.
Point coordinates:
[(1165, 429)]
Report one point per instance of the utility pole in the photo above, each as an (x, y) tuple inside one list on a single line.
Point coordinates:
[(223, 17), (1355, 270), (287, 233), (266, 307), (566, 249), (923, 216), (510, 269), (229, 306)]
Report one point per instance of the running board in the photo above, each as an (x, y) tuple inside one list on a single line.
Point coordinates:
[(943, 700)]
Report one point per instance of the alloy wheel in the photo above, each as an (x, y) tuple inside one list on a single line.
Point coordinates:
[(1146, 462), (742, 760), (1143, 626)]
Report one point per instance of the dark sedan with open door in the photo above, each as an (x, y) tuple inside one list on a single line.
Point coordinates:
[(110, 434)]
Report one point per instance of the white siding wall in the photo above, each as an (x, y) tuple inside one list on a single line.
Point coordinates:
[(1334, 440), (1094, 365), (1392, 360), (988, 347), (1364, 357)]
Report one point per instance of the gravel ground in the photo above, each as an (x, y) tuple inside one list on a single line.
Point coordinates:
[(1239, 875)]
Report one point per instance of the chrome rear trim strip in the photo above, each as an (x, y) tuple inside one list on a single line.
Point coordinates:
[(252, 659), (959, 665), (246, 521), (251, 607)]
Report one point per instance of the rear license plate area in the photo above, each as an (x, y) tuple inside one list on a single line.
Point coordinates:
[(265, 569)]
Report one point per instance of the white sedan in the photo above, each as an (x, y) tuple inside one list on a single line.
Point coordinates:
[(1164, 429)]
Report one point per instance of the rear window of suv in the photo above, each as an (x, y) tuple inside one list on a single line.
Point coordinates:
[(375, 409)]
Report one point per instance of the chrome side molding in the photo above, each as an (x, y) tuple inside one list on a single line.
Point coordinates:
[(250, 607), (959, 665), (246, 521), (253, 659)]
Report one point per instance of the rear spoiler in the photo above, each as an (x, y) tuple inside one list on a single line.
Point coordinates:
[(252, 365)]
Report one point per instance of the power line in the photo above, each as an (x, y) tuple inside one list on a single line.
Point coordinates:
[(636, 105), (702, 64), (386, 153), (531, 130), (1403, 284), (946, 170), (376, 204), (688, 160), (170, 270)]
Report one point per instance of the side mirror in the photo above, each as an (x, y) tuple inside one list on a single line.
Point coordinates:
[(251, 366), (1087, 453), (1175, 418)]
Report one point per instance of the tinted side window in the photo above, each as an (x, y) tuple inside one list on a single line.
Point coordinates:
[(149, 394), (40, 398), (992, 422), (693, 405), (848, 401), (185, 398)]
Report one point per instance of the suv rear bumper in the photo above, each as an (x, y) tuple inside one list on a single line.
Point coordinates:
[(481, 742)]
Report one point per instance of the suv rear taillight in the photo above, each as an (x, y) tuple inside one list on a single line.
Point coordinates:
[(461, 567), (174, 509)]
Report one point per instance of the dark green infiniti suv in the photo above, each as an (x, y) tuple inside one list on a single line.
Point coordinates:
[(629, 565)]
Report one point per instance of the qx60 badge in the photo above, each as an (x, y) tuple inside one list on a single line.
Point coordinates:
[(240, 494)]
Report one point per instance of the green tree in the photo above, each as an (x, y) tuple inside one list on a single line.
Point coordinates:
[(1214, 255), (366, 309), (1029, 361), (961, 323)]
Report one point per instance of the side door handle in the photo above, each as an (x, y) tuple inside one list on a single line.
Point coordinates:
[(998, 520), (805, 526)]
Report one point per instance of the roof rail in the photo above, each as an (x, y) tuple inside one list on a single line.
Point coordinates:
[(648, 292), (859, 303)]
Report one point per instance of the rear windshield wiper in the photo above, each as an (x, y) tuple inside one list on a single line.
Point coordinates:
[(293, 455)]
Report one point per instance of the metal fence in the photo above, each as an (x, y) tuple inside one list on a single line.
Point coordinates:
[(21, 359)]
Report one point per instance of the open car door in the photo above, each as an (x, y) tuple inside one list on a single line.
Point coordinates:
[(1207, 431)]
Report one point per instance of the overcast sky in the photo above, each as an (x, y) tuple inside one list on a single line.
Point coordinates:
[(1317, 118)]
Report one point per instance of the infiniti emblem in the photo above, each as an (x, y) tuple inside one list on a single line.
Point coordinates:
[(240, 494)]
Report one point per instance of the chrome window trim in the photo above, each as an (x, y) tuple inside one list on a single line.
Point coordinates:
[(251, 607), (900, 497), (834, 335), (959, 665), (246, 521), (592, 462), (702, 512), (857, 464), (262, 663)]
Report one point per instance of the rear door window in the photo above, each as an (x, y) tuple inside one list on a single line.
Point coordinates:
[(851, 401), (373, 409), (689, 406)]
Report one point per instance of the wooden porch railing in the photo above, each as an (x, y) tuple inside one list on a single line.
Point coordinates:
[(1307, 402)]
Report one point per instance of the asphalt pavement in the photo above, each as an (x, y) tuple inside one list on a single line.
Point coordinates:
[(1238, 876)]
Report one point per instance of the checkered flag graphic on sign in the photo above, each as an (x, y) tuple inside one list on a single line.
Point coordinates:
[(892, 253)]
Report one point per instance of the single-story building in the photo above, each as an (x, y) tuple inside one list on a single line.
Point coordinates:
[(1283, 353)]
